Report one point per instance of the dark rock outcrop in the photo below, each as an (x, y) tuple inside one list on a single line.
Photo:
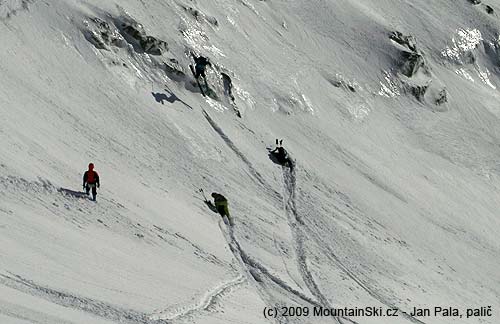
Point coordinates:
[(413, 61), (103, 35), (406, 41), (135, 34), (442, 97)]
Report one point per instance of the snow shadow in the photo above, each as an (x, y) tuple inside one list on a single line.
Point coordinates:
[(170, 98), (73, 193)]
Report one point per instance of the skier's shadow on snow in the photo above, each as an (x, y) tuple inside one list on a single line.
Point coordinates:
[(171, 98), (72, 193)]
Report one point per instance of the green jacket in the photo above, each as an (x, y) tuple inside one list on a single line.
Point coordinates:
[(221, 202)]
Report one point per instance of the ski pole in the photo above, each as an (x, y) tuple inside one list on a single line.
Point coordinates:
[(203, 193)]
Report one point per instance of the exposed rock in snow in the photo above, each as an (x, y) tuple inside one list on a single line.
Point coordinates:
[(442, 98), (135, 34), (412, 63), (103, 35), (405, 40)]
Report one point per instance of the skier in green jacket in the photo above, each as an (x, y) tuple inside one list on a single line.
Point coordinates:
[(221, 205)]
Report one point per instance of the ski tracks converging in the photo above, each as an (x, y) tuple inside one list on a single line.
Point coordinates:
[(296, 222), (298, 226)]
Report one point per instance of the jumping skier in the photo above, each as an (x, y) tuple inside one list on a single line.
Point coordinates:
[(91, 180)]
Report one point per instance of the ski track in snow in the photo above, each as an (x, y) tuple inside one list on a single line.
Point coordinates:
[(233, 147), (206, 303), (299, 236), (327, 251), (249, 263), (95, 307)]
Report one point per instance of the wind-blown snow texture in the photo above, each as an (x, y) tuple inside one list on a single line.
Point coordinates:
[(390, 110)]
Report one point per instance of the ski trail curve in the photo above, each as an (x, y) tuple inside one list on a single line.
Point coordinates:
[(206, 303), (233, 147), (256, 270), (88, 305), (248, 266)]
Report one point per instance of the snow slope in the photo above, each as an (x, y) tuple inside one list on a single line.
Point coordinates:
[(393, 202)]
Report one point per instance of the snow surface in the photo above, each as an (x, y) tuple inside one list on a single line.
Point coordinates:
[(394, 201)]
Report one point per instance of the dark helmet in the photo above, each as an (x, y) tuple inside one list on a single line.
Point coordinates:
[(214, 194), (91, 166)]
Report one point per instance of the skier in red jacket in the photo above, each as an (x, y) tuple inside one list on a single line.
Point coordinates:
[(91, 180)]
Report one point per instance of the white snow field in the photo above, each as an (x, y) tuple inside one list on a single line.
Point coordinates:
[(390, 109)]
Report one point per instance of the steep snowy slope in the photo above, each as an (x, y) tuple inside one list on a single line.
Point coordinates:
[(389, 108)]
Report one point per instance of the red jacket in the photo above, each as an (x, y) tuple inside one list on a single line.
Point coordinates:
[(91, 177)]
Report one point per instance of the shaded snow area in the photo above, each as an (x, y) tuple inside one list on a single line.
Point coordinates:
[(390, 113)]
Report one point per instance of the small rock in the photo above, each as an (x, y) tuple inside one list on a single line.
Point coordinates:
[(442, 97)]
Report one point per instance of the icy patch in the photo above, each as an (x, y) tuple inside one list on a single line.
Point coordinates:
[(245, 97), (214, 50), (193, 34), (463, 72), (308, 104), (216, 105), (231, 21), (485, 77), (465, 41), (389, 87)]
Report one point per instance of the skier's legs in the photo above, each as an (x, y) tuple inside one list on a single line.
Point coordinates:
[(94, 193), (87, 189), (221, 210), (199, 71)]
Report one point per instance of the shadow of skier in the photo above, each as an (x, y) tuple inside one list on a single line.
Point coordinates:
[(72, 193), (170, 98)]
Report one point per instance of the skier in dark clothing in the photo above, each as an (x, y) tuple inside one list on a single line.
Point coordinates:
[(281, 155), (91, 180), (201, 63)]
